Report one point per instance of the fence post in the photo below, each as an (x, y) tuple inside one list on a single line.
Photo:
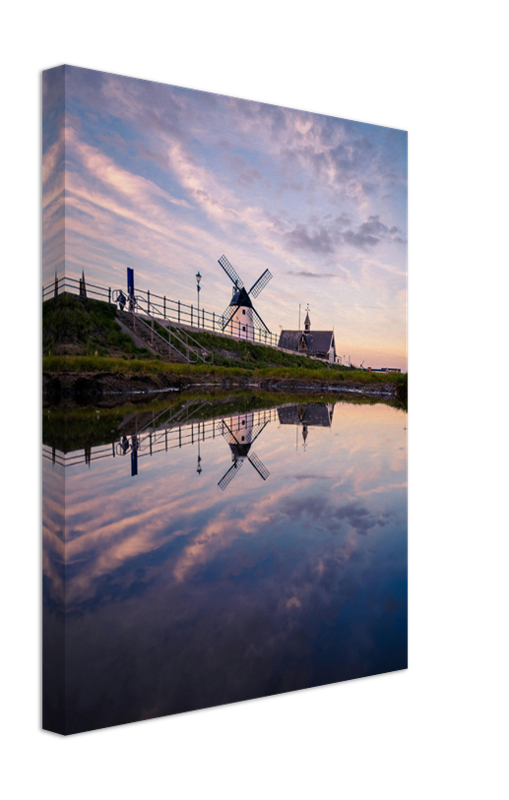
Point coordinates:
[(203, 318), (164, 308), (191, 316), (213, 320), (148, 301), (179, 311), (109, 294)]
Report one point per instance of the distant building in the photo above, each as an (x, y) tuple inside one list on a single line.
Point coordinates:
[(315, 343)]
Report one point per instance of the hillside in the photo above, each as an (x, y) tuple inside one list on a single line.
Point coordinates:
[(75, 326), (82, 336)]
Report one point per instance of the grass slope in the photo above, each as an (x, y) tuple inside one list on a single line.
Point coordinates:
[(80, 326), (82, 335)]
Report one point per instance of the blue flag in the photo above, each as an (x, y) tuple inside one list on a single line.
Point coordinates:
[(130, 282)]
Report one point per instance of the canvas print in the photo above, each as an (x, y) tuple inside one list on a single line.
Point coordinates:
[(224, 314)]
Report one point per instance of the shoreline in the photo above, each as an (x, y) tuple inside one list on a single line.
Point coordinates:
[(88, 387)]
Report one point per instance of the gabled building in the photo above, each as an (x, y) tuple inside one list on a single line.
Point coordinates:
[(309, 415), (320, 344)]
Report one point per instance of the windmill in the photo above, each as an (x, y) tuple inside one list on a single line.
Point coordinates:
[(240, 434), (240, 317)]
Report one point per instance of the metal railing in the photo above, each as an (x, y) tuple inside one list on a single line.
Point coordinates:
[(162, 307), (151, 440), (179, 342)]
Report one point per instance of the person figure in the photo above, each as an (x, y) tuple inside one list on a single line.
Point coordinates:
[(125, 444), (121, 300)]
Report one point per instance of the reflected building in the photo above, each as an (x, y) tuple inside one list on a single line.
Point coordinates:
[(307, 415)]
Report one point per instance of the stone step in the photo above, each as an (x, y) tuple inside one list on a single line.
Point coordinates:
[(142, 337)]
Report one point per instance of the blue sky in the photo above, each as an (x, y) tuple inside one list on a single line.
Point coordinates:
[(166, 180)]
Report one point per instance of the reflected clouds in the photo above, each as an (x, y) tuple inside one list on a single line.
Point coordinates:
[(107, 525), (181, 596)]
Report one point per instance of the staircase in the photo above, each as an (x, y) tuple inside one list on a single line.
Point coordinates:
[(176, 346)]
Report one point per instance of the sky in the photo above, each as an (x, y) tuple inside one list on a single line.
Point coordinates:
[(166, 180)]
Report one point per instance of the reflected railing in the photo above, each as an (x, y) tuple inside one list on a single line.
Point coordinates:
[(162, 434), (151, 440)]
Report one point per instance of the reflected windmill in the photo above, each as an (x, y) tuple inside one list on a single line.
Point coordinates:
[(241, 434), (240, 317)]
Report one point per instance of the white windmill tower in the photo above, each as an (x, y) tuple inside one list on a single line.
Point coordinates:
[(240, 429), (241, 318)]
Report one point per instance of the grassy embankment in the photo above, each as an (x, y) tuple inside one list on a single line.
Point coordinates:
[(86, 427), (82, 336)]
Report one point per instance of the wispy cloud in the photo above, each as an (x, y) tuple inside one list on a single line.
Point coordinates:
[(165, 180)]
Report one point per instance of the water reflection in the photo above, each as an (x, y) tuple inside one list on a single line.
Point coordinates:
[(185, 588), (241, 433), (306, 415)]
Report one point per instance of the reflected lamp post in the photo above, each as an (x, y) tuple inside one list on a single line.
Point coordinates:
[(199, 467), (198, 287)]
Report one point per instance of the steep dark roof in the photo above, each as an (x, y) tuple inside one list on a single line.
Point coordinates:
[(290, 339), (317, 341)]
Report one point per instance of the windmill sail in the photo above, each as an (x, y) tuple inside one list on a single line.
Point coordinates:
[(227, 315), (227, 431), (230, 271), (229, 475), (257, 429), (258, 322), (260, 284), (261, 469)]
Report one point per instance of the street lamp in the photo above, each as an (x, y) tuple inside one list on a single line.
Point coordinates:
[(198, 287)]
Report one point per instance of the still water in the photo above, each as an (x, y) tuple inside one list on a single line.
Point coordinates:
[(216, 557)]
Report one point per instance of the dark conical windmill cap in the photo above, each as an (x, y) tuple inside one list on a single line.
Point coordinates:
[(241, 298)]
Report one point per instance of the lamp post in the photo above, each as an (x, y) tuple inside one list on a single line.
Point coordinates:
[(198, 287)]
